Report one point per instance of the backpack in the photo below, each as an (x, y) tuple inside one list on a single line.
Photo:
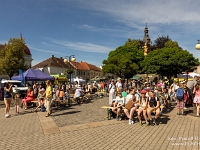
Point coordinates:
[(161, 99), (153, 101), (179, 94)]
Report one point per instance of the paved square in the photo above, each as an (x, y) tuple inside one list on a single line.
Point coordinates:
[(31, 131)]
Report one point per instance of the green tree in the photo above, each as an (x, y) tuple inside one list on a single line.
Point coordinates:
[(124, 61), (135, 43), (12, 57), (168, 61), (171, 44)]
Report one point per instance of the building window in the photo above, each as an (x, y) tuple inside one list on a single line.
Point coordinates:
[(84, 73)]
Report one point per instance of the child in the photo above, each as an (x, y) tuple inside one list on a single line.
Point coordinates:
[(67, 96), (106, 88), (180, 98), (61, 94), (167, 98), (124, 93), (161, 98), (197, 98), (40, 98), (17, 102), (186, 96)]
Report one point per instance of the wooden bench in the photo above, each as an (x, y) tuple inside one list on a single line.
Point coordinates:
[(77, 100), (109, 108)]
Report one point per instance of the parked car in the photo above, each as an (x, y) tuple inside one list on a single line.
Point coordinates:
[(18, 87)]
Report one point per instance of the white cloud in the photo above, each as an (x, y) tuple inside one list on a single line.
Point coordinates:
[(162, 16), (88, 27), (86, 47), (44, 43), (45, 51), (154, 11)]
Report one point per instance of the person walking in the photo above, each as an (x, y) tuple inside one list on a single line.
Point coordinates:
[(7, 98), (112, 91), (180, 99), (191, 84), (48, 97), (197, 98)]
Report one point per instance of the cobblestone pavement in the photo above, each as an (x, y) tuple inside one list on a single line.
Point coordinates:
[(27, 131), (80, 114)]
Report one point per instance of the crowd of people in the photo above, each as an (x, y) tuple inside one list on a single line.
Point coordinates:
[(148, 99), (9, 96), (48, 94), (126, 98)]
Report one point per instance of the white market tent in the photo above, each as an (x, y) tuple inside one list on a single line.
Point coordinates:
[(193, 74)]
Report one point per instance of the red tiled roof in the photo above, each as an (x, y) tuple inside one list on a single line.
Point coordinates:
[(52, 62), (26, 49), (87, 66), (93, 67), (76, 65), (59, 62), (80, 65)]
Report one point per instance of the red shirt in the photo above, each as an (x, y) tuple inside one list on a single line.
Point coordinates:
[(30, 94), (185, 96)]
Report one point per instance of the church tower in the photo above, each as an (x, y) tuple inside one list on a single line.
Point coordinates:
[(146, 41)]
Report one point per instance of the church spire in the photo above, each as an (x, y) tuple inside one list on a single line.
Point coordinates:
[(146, 40)]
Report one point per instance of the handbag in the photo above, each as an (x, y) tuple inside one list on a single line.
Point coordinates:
[(129, 105)]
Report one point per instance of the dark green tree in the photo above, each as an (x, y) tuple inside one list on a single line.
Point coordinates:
[(160, 42), (12, 57), (169, 61), (125, 60)]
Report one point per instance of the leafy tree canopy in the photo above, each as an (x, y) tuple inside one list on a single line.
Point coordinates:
[(169, 61), (171, 44), (135, 43), (12, 57), (124, 60)]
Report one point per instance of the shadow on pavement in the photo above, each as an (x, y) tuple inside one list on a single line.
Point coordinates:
[(65, 113), (24, 112), (164, 119)]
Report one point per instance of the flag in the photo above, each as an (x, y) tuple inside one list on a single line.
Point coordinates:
[(21, 75)]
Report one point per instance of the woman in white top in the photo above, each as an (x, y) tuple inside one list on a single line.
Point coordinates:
[(119, 85), (118, 105), (112, 91), (143, 107)]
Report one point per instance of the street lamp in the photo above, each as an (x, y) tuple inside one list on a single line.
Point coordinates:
[(70, 59), (198, 45)]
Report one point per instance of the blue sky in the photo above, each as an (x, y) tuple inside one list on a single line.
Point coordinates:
[(90, 29)]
